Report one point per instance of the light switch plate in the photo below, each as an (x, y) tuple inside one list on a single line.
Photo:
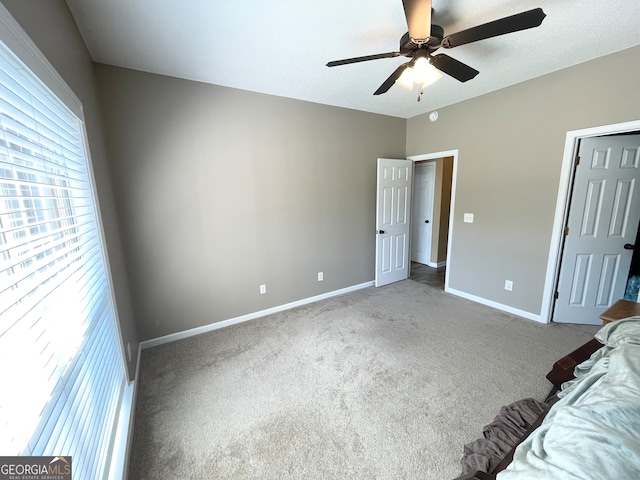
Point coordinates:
[(468, 218)]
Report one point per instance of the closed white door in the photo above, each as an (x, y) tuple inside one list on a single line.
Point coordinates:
[(423, 185), (603, 221), (393, 206)]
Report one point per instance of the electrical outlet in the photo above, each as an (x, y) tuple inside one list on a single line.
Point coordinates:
[(508, 285), (263, 289), (320, 276), (468, 218), (129, 350)]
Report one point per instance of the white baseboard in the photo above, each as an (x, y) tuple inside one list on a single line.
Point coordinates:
[(154, 342), (437, 265), (496, 305)]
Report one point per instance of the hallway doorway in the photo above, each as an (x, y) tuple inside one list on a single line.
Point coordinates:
[(434, 277)]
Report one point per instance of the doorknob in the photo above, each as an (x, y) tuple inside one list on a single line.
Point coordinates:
[(628, 246), (426, 221), (380, 232)]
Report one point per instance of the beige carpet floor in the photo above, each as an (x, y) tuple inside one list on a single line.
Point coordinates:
[(385, 383)]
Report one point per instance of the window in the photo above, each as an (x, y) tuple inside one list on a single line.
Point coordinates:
[(61, 366)]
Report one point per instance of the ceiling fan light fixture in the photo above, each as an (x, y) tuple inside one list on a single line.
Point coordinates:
[(426, 74), (407, 78), (421, 74)]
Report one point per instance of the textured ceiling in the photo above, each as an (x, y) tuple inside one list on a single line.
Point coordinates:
[(280, 47)]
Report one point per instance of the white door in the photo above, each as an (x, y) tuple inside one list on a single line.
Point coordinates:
[(393, 205), (424, 176), (603, 217)]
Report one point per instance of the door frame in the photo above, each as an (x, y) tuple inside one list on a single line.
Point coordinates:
[(562, 204), (416, 166), (454, 176)]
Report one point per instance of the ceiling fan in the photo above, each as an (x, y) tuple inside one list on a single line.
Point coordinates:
[(424, 38)]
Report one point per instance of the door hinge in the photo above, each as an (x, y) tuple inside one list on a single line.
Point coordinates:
[(566, 231), (556, 295), (577, 161)]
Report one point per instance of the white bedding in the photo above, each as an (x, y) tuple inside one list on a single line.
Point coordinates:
[(593, 431)]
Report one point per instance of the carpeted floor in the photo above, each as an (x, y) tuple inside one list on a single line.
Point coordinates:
[(384, 383)]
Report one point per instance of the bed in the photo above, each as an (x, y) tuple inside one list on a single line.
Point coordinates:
[(591, 429)]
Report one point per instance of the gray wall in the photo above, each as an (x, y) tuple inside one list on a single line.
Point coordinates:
[(221, 190), (52, 29), (511, 145)]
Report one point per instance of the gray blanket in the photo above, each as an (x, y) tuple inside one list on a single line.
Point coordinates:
[(501, 435), (593, 431)]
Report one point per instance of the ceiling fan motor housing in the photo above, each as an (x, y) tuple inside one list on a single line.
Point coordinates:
[(407, 46)]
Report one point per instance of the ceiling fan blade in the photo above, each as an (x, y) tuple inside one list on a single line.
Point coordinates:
[(366, 58), (388, 83), (452, 67), (418, 15), (514, 23)]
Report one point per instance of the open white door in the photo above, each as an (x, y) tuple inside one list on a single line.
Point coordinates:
[(424, 176), (602, 226), (393, 206)]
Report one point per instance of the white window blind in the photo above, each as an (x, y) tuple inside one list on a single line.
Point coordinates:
[(61, 369)]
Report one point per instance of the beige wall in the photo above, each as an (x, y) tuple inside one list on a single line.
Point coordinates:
[(511, 144), (221, 190), (51, 27)]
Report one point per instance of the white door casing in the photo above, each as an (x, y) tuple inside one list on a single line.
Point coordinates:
[(393, 205), (421, 233), (603, 217)]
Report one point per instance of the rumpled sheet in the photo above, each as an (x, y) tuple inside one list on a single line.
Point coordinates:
[(501, 435), (593, 431)]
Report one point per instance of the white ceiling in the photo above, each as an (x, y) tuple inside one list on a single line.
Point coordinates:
[(280, 47)]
